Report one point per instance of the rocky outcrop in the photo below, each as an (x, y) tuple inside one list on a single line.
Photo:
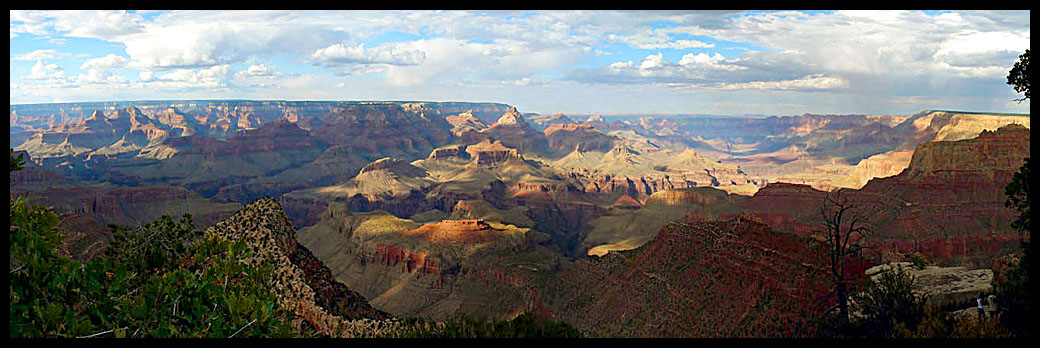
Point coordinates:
[(578, 137), (513, 131), (450, 151), (464, 123), (314, 297), (487, 153), (942, 286)]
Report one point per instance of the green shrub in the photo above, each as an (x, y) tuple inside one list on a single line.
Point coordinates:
[(888, 301), (154, 245), (919, 260), (170, 290)]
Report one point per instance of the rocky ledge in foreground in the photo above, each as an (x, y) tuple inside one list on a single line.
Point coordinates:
[(304, 286)]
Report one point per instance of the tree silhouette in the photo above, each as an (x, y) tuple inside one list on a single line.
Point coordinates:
[(1017, 192), (1019, 76), (844, 224)]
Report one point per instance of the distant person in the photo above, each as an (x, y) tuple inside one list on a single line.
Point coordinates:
[(992, 302), (982, 312)]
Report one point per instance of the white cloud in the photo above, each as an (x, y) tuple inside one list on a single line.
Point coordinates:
[(257, 70), (651, 61), (101, 69), (104, 25), (215, 76), (527, 81), (392, 54), (45, 71), (869, 56), (811, 82), (703, 60), (656, 39), (40, 54), (106, 63)]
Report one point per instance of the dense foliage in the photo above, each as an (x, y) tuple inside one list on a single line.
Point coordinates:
[(886, 302), (205, 293), (1014, 289), (1017, 192), (154, 245)]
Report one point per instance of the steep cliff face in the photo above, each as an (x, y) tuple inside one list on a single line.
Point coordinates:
[(302, 283), (952, 197), (734, 278)]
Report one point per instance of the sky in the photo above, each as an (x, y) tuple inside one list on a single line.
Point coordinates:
[(683, 62)]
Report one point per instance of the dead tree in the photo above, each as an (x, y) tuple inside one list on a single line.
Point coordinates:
[(844, 223)]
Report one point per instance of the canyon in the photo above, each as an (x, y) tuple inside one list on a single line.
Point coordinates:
[(428, 209)]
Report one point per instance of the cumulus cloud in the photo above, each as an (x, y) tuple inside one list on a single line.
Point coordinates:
[(101, 69), (392, 54), (45, 71)]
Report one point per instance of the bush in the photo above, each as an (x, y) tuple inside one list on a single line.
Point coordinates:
[(889, 301), (152, 246), (143, 290), (919, 260), (1013, 295)]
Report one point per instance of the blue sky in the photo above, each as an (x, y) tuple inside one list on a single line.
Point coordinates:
[(705, 62)]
